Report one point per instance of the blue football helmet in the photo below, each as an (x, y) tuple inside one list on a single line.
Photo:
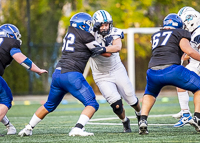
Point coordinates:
[(81, 21), (10, 31), (173, 21)]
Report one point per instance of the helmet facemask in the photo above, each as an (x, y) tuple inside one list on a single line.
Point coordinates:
[(105, 32)]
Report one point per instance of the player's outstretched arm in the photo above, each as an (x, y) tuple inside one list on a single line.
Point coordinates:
[(27, 63)]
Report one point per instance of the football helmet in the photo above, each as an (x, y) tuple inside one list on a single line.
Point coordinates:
[(173, 21), (81, 21), (191, 20), (100, 17), (10, 31), (184, 9)]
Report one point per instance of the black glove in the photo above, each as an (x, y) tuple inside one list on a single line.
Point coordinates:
[(96, 26), (97, 50)]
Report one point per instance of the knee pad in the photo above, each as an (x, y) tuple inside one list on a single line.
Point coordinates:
[(117, 107)]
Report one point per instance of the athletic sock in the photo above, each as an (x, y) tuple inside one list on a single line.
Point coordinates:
[(5, 120), (183, 100), (34, 121), (138, 113), (83, 119), (143, 117), (197, 115), (125, 119)]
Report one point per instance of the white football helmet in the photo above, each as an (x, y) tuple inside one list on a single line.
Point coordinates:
[(191, 19), (184, 9), (100, 17)]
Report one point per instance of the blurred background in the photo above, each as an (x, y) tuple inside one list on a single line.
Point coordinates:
[(43, 24)]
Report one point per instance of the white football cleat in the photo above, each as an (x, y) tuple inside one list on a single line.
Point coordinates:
[(79, 132), (11, 129), (27, 131), (178, 115)]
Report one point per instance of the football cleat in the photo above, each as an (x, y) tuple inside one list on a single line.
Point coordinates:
[(143, 127), (195, 122), (178, 115), (11, 129), (186, 117), (27, 131), (127, 128), (79, 132)]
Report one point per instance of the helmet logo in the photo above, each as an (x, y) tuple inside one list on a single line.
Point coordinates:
[(170, 21), (74, 25), (188, 18)]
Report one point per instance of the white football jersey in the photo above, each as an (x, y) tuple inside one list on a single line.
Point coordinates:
[(105, 64), (195, 42)]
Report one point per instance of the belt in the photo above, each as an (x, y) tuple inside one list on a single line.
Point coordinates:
[(58, 68), (160, 67)]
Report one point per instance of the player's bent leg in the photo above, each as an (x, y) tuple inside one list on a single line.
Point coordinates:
[(120, 112)]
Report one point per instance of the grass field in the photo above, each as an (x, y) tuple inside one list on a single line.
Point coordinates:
[(104, 124)]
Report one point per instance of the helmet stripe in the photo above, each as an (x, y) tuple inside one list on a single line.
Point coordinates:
[(104, 15), (11, 29)]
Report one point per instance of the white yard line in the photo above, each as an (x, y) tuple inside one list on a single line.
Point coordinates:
[(130, 124), (111, 118), (91, 122)]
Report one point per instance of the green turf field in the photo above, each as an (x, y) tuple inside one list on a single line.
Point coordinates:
[(106, 127)]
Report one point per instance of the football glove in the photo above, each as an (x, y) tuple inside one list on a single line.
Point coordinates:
[(97, 50)]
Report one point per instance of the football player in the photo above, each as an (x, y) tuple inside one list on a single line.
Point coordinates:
[(10, 44), (108, 71), (164, 68), (191, 19), (78, 46)]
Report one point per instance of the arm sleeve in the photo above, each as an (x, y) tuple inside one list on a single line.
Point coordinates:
[(14, 51)]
